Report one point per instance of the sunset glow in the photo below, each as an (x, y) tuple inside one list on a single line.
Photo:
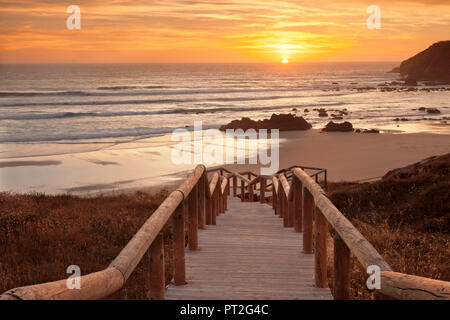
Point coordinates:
[(208, 31)]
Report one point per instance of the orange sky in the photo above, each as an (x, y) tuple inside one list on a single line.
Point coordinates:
[(218, 30)]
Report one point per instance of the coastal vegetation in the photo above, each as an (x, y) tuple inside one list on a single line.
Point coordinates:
[(405, 216)]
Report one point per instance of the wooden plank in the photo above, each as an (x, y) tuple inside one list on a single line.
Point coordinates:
[(249, 255)]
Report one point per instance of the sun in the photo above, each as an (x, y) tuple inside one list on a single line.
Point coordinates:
[(285, 61)]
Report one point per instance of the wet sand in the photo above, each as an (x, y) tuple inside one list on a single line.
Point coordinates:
[(147, 164), (355, 156), (12, 164)]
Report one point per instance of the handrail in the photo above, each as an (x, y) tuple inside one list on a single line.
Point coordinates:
[(296, 204), (295, 196), (363, 250), (224, 185), (254, 181), (248, 172), (284, 184), (404, 286), (275, 183), (212, 184), (242, 178), (218, 169), (103, 283)]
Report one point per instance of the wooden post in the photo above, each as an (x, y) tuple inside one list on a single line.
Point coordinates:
[(157, 271), (262, 190), (193, 219), (228, 195), (320, 250), (280, 201), (341, 287), (291, 214), (308, 203), (242, 190), (274, 200), (277, 203), (208, 211), (208, 205), (285, 210), (298, 199), (234, 186), (214, 207), (250, 193), (201, 202), (220, 199), (224, 197), (179, 264)]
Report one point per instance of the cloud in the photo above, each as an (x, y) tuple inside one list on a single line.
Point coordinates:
[(183, 30)]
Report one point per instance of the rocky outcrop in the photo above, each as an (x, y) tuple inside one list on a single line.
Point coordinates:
[(433, 110), (410, 82), (338, 127), (322, 113), (432, 64), (283, 122), (395, 70)]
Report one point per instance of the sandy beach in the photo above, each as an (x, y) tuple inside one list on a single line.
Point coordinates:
[(355, 156), (147, 165)]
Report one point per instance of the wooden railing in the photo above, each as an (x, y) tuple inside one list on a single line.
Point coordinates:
[(295, 196), (188, 201), (304, 205), (299, 199)]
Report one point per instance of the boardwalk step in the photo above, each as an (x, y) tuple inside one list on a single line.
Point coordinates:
[(248, 255)]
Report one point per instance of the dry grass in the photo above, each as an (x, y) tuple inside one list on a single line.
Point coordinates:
[(40, 236), (406, 218)]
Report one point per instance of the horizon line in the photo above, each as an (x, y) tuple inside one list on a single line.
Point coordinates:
[(130, 63)]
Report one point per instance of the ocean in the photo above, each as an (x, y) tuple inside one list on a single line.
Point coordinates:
[(100, 128), (52, 109)]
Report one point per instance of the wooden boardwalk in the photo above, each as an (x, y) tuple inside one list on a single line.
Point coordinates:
[(248, 255)]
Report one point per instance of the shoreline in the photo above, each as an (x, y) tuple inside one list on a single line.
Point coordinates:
[(355, 156), (346, 156)]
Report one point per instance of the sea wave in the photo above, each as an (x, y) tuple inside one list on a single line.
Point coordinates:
[(161, 101), (103, 92), (109, 91), (132, 87), (120, 135), (63, 115)]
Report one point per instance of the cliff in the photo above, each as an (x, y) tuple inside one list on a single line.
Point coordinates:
[(432, 64)]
